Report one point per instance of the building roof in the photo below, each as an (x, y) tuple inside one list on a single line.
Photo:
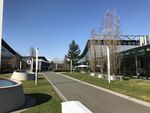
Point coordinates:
[(39, 57), (101, 42), (4, 44), (135, 51)]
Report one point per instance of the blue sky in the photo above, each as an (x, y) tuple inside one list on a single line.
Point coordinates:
[(51, 25)]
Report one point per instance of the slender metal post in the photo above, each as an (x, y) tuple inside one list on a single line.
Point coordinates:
[(36, 69), (1, 22), (108, 64)]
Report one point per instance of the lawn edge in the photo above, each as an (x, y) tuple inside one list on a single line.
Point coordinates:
[(63, 98)]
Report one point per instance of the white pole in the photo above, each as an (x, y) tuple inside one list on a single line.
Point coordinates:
[(145, 41), (20, 65), (1, 24), (31, 69), (108, 64), (36, 69)]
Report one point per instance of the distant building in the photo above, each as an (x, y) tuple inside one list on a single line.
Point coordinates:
[(10, 59), (136, 61), (43, 63), (145, 40), (134, 55)]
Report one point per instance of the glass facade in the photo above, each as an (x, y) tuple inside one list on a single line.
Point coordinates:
[(10, 60)]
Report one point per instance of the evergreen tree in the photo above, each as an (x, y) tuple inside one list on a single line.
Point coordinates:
[(73, 53)]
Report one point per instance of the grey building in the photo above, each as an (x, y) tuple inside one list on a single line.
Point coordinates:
[(10, 59), (43, 63), (97, 47)]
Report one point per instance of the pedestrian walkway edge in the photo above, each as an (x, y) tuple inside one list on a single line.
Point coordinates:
[(147, 104), (57, 91)]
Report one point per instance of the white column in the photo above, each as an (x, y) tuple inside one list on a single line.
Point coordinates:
[(20, 65), (108, 64), (1, 21), (31, 68), (36, 69), (145, 40)]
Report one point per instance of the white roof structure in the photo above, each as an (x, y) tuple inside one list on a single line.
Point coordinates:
[(80, 66)]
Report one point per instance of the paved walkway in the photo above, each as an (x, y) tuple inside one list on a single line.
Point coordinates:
[(96, 100)]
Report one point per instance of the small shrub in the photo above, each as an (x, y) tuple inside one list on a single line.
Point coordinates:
[(61, 70)]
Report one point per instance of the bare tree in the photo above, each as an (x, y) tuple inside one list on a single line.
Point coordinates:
[(15, 62), (5, 63), (110, 28), (66, 62), (92, 52), (102, 59), (32, 52)]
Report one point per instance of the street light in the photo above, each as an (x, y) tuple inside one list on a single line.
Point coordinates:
[(70, 64)]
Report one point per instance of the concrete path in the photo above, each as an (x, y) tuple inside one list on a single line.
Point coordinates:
[(96, 100)]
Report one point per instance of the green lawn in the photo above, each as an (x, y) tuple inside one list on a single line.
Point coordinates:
[(47, 99), (135, 88)]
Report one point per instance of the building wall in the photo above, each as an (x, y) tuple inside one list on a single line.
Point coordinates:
[(136, 62), (96, 57), (10, 61)]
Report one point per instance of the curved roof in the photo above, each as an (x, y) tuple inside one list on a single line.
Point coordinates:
[(101, 42), (4, 44)]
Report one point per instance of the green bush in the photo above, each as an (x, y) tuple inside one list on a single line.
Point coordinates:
[(61, 70)]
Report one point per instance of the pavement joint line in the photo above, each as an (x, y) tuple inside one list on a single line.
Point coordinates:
[(56, 89), (147, 104)]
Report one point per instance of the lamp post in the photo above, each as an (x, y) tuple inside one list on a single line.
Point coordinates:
[(70, 60), (108, 64), (36, 69)]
